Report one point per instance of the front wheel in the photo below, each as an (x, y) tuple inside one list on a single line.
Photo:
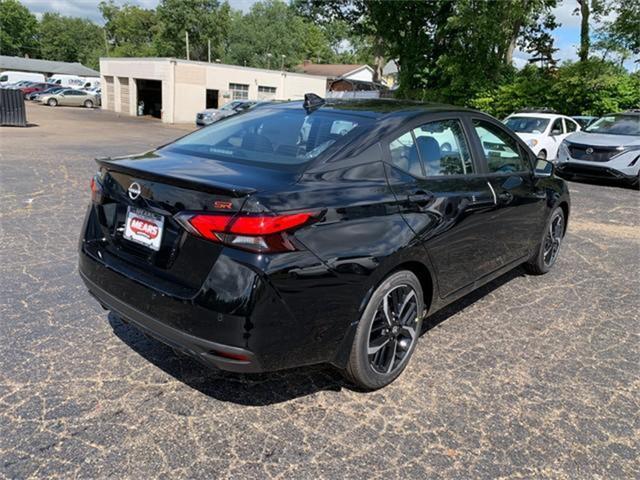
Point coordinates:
[(549, 248), (387, 333), (542, 154), (88, 103), (52, 102)]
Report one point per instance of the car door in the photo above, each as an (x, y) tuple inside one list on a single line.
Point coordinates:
[(432, 172), (508, 167)]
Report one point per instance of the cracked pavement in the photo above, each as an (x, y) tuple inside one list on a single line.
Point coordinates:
[(527, 377)]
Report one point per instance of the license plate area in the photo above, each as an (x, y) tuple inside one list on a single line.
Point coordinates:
[(144, 228)]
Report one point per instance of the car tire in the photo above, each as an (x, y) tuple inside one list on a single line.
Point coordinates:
[(542, 154), (549, 247), (387, 333), (88, 103), (52, 102)]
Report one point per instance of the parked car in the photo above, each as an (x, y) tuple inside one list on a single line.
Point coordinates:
[(253, 247), (70, 97), (543, 132), (9, 77), (211, 115), (36, 95), (34, 88), (585, 120), (609, 148)]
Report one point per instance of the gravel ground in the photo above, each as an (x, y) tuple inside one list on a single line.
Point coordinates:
[(528, 377)]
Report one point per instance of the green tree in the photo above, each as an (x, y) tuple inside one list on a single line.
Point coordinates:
[(203, 20), (622, 35), (68, 39), (18, 29), (131, 31), (588, 9), (272, 29)]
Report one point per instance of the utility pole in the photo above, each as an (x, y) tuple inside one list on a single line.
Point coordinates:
[(209, 50), (186, 39), (269, 61), (282, 57)]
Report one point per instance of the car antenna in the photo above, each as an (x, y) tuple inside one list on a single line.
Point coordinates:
[(312, 102)]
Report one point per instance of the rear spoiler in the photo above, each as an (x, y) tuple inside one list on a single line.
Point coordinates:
[(217, 188)]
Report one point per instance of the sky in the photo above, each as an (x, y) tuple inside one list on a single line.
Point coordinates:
[(567, 36)]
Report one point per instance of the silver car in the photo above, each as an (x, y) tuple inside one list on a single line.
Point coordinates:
[(609, 148), (211, 115), (70, 97)]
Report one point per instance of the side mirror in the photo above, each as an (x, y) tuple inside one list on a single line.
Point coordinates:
[(555, 132), (544, 168)]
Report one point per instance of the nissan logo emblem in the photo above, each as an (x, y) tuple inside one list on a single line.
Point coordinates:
[(589, 151), (134, 190)]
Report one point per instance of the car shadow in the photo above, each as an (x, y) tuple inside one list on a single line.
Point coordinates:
[(267, 388)]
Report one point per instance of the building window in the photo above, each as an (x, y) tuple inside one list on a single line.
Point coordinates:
[(239, 91), (266, 92)]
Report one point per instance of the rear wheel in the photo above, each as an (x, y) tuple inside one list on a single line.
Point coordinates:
[(52, 102), (387, 333), (88, 103), (549, 248)]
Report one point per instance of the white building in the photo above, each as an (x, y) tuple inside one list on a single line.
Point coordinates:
[(175, 90)]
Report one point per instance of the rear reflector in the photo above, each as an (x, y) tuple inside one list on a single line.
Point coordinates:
[(259, 233), (96, 190)]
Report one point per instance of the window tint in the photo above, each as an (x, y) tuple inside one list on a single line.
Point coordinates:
[(501, 151), (557, 125), (404, 154), (443, 148)]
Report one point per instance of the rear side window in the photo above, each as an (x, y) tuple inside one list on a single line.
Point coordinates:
[(404, 154), (556, 128), (571, 127), (443, 148), (501, 150), (273, 135)]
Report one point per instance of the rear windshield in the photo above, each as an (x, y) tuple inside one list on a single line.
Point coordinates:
[(278, 136), (527, 124), (617, 125)]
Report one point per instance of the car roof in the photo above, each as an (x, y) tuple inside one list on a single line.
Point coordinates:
[(537, 115), (376, 107)]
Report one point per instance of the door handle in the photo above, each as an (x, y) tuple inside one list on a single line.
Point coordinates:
[(420, 197)]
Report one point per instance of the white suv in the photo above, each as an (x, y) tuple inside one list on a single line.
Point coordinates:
[(543, 132)]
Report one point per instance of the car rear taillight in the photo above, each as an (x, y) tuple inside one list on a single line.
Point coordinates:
[(257, 233), (96, 190)]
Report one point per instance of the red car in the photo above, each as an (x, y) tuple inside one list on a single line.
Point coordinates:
[(36, 87)]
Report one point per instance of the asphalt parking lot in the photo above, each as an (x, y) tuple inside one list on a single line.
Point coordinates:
[(528, 377)]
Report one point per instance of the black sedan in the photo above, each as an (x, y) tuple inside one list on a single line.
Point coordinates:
[(317, 232)]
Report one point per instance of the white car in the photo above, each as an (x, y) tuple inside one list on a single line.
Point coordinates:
[(543, 132)]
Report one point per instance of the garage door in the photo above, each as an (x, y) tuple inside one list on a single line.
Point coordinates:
[(124, 94), (110, 103)]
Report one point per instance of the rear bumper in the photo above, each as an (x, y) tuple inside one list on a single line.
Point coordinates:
[(205, 351)]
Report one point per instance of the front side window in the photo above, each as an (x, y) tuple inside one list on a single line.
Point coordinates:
[(4, 78), (239, 91), (501, 150), (404, 154), (270, 135), (443, 148)]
